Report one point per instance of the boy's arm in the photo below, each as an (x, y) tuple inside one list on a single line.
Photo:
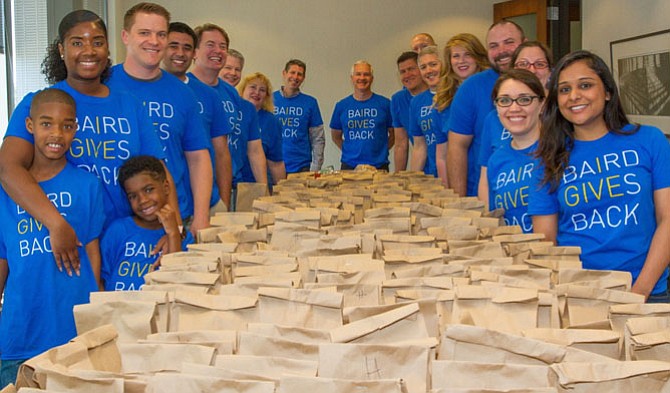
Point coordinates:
[(93, 252), (168, 218), (16, 156)]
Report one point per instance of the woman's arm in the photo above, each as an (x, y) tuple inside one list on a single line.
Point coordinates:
[(441, 163), (483, 189), (659, 250), (16, 156), (224, 168), (419, 154), (548, 225), (257, 161)]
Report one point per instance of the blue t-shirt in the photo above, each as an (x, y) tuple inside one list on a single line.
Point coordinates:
[(110, 130), (297, 115), (510, 177), (469, 108), (214, 119), (426, 121), (37, 311), (238, 141), (605, 200), (400, 101), (126, 254), (494, 136), (364, 126), (172, 107), (270, 136)]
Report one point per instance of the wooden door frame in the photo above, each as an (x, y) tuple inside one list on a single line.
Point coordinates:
[(513, 8)]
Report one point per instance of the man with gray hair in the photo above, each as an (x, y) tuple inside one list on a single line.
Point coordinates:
[(303, 139), (361, 125)]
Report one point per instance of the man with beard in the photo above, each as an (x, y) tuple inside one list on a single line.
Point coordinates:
[(472, 103), (410, 77)]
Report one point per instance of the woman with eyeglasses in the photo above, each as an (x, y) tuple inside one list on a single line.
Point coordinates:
[(535, 57), (605, 184), (518, 96)]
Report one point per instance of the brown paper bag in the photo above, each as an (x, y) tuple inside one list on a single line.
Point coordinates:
[(451, 270), (293, 384), (340, 264), (403, 323), (586, 306), (292, 333), (153, 358), (612, 377), (329, 245), (308, 308), (207, 312), (473, 343), (93, 350), (460, 374), (248, 219), (225, 341), (390, 287), (247, 193), (73, 381), (484, 250), (608, 277), (251, 374), (133, 320), (477, 390), (408, 362), (188, 383), (640, 327), (510, 310), (271, 366), (620, 313), (650, 346), (355, 294), (211, 281), (161, 298), (603, 342), (261, 345)]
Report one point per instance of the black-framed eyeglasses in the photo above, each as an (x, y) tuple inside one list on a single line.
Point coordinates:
[(539, 65), (505, 102)]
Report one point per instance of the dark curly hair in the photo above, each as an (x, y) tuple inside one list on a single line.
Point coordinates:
[(557, 134), (142, 164), (53, 66)]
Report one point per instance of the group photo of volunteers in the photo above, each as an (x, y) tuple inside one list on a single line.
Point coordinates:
[(175, 219)]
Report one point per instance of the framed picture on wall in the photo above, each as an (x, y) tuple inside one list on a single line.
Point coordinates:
[(641, 67)]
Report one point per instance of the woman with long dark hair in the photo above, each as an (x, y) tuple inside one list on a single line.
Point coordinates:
[(112, 126), (605, 184)]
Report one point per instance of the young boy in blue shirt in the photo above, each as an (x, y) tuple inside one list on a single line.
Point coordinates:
[(37, 312), (127, 245)]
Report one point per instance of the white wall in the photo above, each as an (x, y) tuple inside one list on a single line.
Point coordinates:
[(604, 21), (328, 35)]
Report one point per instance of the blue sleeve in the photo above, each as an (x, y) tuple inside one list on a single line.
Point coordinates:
[(486, 147), (414, 128), (335, 120), (17, 122), (187, 240), (272, 142), (463, 110), (97, 219), (254, 127), (150, 143), (220, 125), (661, 159), (315, 118), (110, 251), (541, 202), (195, 136)]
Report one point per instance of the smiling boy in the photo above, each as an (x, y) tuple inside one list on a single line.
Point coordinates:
[(38, 298)]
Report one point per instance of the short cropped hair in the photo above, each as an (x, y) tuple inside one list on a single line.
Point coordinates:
[(409, 55), (146, 8), (296, 62), (51, 95), (180, 27)]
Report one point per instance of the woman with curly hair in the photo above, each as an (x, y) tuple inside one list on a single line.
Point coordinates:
[(112, 127), (604, 183)]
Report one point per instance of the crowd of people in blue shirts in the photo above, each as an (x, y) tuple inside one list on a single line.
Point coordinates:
[(106, 170)]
